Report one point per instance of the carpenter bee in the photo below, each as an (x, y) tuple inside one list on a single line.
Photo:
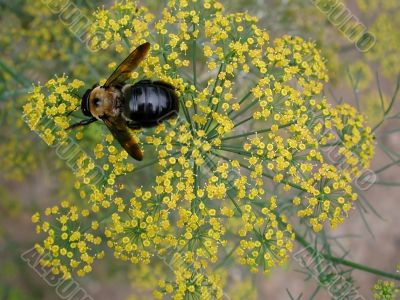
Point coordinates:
[(123, 107)]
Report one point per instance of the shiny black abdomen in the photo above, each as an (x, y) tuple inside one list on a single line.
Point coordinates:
[(148, 103)]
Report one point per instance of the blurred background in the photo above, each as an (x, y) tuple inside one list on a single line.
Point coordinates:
[(35, 45)]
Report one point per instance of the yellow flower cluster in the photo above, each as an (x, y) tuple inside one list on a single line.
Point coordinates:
[(267, 241), (73, 240), (189, 284), (47, 113), (148, 278), (385, 290), (252, 117), (108, 30)]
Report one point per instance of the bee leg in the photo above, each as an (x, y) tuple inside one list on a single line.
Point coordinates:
[(73, 110), (134, 126), (82, 123)]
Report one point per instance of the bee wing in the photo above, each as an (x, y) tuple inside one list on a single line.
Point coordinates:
[(124, 136), (123, 71)]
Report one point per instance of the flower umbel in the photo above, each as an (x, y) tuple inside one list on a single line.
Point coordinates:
[(254, 129), (385, 290)]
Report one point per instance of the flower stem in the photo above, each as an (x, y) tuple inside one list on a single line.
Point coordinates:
[(241, 101), (194, 59), (345, 262), (388, 110), (264, 174), (245, 109), (254, 132)]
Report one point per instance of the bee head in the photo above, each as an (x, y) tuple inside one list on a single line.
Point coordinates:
[(85, 104), (101, 101)]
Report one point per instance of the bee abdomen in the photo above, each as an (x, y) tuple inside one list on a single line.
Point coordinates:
[(149, 103)]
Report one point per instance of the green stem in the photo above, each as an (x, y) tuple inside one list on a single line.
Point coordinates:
[(229, 114), (387, 167), (241, 101), (345, 262), (387, 111), (254, 132), (150, 163), (194, 59), (243, 121), (188, 117), (263, 174), (233, 118), (211, 96), (228, 193), (227, 257), (245, 109)]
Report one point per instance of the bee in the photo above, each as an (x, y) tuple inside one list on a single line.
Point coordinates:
[(124, 107)]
